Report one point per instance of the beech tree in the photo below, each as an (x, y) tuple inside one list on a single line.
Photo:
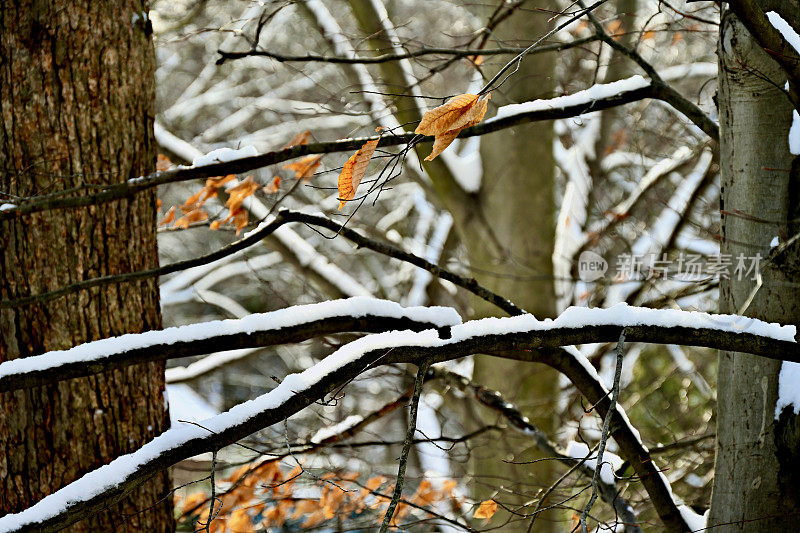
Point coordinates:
[(493, 121)]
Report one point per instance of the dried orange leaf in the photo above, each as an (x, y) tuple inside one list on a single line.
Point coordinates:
[(442, 141), (471, 117), (163, 162), (305, 166), (240, 220), (169, 217), (239, 193), (353, 170), (241, 522), (193, 501), (274, 186), (198, 215), (443, 118), (298, 140), (486, 509), (219, 181)]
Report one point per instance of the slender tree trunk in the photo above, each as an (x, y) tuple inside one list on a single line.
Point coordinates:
[(77, 86), (756, 474), (517, 197)]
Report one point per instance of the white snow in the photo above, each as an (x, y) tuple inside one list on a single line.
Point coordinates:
[(291, 316), (206, 365), (788, 388), (7, 207), (223, 155), (114, 474), (611, 462), (695, 521), (595, 92), (335, 429), (185, 404), (791, 36)]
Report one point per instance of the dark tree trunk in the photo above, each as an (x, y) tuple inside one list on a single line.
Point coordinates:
[(77, 85)]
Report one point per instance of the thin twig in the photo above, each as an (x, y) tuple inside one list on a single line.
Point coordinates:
[(412, 427), (605, 434)]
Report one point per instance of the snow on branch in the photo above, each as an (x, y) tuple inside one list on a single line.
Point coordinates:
[(70, 199), (514, 337), (292, 324)]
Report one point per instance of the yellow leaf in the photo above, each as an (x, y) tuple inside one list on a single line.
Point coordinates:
[(353, 170), (486, 509), (445, 117)]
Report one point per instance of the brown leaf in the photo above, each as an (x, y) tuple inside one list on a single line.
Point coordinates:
[(238, 194), (305, 166), (445, 117), (473, 116), (298, 140), (169, 217), (274, 186), (353, 170), (163, 162), (198, 215), (486, 509)]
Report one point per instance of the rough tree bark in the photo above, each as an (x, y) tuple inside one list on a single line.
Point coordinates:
[(757, 474), (77, 86)]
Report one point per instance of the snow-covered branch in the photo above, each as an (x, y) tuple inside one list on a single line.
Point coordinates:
[(293, 324), (514, 337), (583, 102)]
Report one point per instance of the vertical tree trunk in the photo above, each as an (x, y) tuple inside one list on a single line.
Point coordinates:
[(77, 86), (517, 197), (757, 475)]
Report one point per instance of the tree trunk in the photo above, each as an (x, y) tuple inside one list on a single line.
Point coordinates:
[(517, 197), (77, 84), (756, 473)]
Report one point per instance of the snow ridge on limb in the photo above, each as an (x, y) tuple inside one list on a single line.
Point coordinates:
[(514, 337), (262, 329), (246, 164)]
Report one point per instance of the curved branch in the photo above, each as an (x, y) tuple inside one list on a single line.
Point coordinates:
[(253, 237), (293, 324), (508, 337), (73, 199)]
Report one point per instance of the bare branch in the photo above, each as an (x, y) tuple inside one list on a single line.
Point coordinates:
[(384, 58)]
